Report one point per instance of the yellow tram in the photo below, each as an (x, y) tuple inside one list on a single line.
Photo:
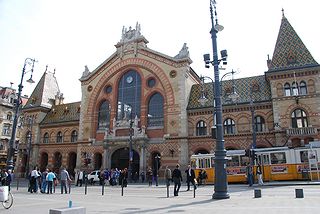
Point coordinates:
[(278, 164)]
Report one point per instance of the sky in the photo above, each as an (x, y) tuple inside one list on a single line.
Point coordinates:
[(66, 35)]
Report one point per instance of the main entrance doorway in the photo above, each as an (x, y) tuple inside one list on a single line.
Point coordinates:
[(120, 160)]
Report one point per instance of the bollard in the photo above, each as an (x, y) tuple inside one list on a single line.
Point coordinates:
[(194, 191), (257, 193), (18, 183), (167, 191), (122, 187), (85, 186), (69, 187), (102, 191), (299, 193)]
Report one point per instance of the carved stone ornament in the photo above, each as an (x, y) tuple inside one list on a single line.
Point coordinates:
[(183, 53)]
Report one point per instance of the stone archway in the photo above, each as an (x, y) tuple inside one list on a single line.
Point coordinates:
[(120, 160), (97, 161), (57, 161), (43, 161), (72, 162)]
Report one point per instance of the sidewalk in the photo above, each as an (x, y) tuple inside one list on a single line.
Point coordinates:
[(140, 198)]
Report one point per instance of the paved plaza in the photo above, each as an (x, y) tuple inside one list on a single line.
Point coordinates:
[(139, 198)]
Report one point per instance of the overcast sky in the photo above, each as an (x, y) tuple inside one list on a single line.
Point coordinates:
[(69, 34)]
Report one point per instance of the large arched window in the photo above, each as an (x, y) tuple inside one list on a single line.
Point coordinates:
[(287, 89), (201, 128), (295, 89), (303, 88), (299, 119), (46, 138), (74, 136), (259, 124), (59, 137), (104, 116), (129, 96), (155, 110), (229, 126)]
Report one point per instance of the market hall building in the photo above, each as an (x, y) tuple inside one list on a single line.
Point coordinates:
[(150, 99)]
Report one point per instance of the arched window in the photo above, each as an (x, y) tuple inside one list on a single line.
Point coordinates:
[(303, 88), (287, 89), (155, 110), (299, 119), (28, 137), (46, 138), (129, 96), (9, 116), (201, 128), (74, 136), (59, 137), (259, 124), (229, 126), (104, 116), (295, 89)]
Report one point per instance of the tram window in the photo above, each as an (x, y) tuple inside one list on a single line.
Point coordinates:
[(244, 160), (193, 164), (304, 156), (234, 161), (212, 162), (278, 158)]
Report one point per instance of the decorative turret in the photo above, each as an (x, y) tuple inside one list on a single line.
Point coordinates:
[(289, 51)]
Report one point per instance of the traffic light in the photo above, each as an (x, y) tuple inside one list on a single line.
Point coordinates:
[(253, 155)]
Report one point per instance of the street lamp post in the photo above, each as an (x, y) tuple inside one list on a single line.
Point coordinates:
[(30, 123), (10, 153), (157, 159), (130, 149), (220, 183)]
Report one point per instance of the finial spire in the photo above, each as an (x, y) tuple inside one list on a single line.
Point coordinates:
[(282, 12)]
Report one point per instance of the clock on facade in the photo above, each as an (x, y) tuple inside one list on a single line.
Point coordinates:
[(129, 79)]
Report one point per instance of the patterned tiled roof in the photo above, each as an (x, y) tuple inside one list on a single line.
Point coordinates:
[(289, 51), (261, 92), (69, 112), (44, 92)]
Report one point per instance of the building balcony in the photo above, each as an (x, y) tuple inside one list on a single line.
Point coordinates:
[(305, 131)]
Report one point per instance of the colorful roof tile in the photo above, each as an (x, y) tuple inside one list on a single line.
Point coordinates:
[(289, 51), (69, 112), (255, 88)]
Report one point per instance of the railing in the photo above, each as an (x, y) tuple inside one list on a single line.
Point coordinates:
[(301, 131)]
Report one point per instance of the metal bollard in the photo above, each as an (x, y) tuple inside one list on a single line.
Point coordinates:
[(102, 188), (167, 191), (18, 180), (69, 186), (194, 191), (257, 193), (85, 186), (299, 193)]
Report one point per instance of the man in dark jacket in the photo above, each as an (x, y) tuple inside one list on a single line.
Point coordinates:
[(190, 177), (177, 178)]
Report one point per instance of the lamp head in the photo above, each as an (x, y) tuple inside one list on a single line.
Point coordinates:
[(30, 80), (224, 54), (206, 59)]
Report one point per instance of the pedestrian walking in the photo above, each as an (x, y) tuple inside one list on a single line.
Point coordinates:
[(149, 176), (190, 177), (167, 175), (249, 174), (177, 179), (259, 174), (50, 179), (64, 179)]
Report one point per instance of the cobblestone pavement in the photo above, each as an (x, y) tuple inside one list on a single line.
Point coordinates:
[(139, 198)]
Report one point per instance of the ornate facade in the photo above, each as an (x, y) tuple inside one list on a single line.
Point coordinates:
[(146, 100)]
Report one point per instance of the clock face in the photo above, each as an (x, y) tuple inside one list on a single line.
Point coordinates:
[(129, 79)]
